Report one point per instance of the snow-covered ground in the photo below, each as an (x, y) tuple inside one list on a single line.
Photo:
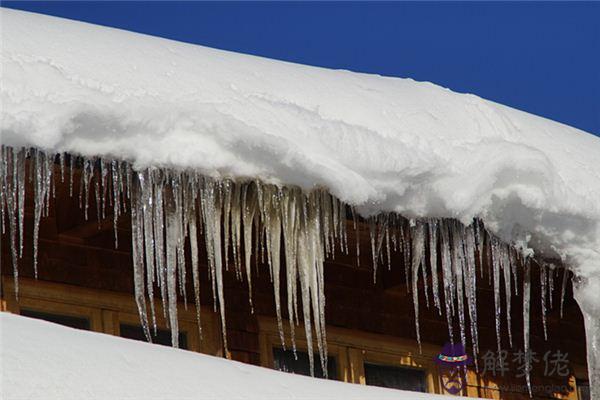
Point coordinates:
[(41, 360)]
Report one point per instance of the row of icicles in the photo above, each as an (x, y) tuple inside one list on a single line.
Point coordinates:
[(242, 219)]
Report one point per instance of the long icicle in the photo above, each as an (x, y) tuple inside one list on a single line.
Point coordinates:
[(526, 314)]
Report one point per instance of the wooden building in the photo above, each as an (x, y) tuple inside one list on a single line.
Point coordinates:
[(84, 282)]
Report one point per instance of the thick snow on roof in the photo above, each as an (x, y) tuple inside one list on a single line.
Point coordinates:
[(375, 142), (42, 360)]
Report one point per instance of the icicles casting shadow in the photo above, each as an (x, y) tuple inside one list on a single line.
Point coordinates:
[(241, 220)]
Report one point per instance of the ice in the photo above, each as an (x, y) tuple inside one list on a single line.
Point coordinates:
[(526, 320), (249, 205), (272, 216), (587, 294), (19, 174), (192, 218), (497, 305), (457, 260), (10, 197), (447, 278), (42, 167), (137, 254), (418, 248), (433, 262), (470, 284), (544, 294), (563, 290), (506, 269)]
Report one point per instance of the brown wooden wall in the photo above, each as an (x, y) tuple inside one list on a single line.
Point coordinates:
[(359, 313)]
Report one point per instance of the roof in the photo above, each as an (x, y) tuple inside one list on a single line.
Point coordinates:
[(379, 143)]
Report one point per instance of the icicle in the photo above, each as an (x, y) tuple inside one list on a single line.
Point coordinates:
[(458, 260), (249, 205), (137, 250), (272, 209), (357, 235), (62, 161), (116, 191), (158, 221), (147, 210), (470, 284), (377, 228), (226, 221), (551, 272), (171, 266), (526, 312), (304, 269), (43, 175), (177, 189), (3, 190), (10, 184), (211, 212), (543, 285), (405, 234), (104, 180), (88, 173), (290, 222), (20, 186), (98, 200), (447, 277), (236, 222), (563, 290), (497, 306), (514, 262), (418, 247), (433, 240), (506, 269), (388, 249), (585, 292), (190, 206), (374, 253), (71, 172)]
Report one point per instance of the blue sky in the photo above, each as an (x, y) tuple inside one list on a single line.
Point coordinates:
[(539, 57)]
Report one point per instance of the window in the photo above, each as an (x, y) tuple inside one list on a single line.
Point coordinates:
[(107, 312), (357, 357), (284, 360), (162, 336), (66, 320), (395, 377)]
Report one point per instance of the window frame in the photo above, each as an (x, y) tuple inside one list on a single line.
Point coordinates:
[(352, 349), (106, 310), (396, 356), (269, 339), (190, 329)]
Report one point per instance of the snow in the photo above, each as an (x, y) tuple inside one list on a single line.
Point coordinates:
[(177, 112), (375, 142), (42, 360)]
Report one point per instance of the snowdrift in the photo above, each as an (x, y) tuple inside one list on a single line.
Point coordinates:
[(41, 360)]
